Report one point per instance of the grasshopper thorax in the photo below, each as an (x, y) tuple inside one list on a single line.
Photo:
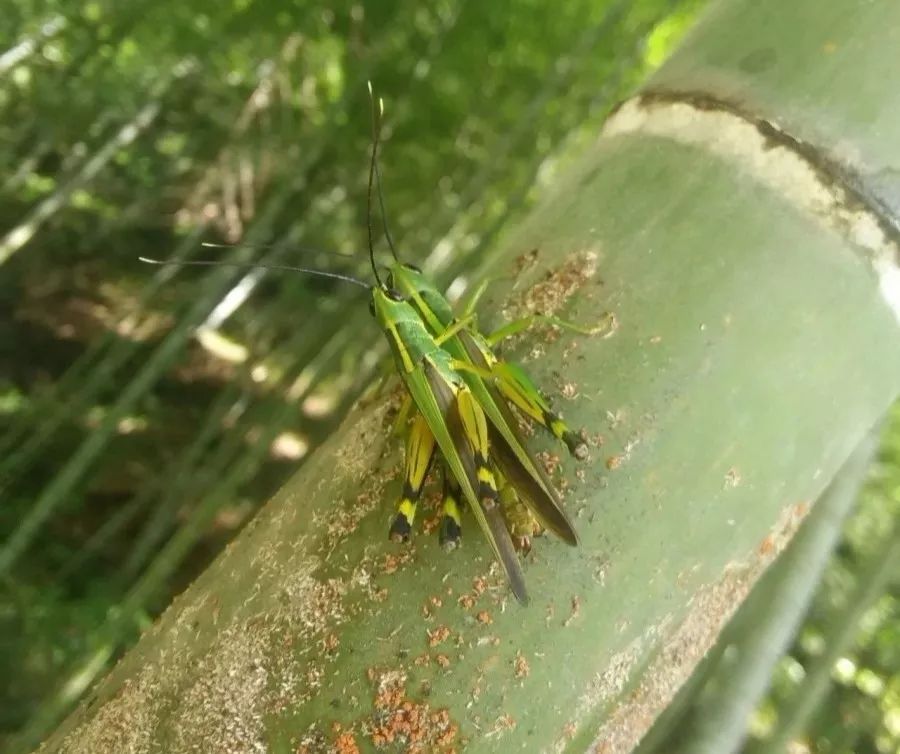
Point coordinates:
[(387, 305), (430, 303)]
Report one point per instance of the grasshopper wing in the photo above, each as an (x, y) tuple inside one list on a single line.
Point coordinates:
[(532, 487), (449, 415), (513, 460)]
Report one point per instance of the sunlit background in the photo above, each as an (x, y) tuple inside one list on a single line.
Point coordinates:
[(146, 413)]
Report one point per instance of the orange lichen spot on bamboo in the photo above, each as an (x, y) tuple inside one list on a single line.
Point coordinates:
[(398, 719), (466, 601), (614, 462), (438, 636), (521, 668), (345, 741)]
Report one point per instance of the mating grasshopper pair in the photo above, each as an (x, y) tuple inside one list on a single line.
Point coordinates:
[(459, 393), (459, 390)]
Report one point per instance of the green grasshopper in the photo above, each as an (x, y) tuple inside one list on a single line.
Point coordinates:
[(450, 417), (492, 381), (448, 412)]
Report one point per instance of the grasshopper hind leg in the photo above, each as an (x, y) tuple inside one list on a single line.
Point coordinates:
[(517, 386), (573, 440), (450, 530), (401, 526), (419, 453)]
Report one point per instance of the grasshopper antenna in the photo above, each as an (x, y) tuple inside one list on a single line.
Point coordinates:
[(377, 111), (376, 133), (241, 245), (384, 224), (254, 266)]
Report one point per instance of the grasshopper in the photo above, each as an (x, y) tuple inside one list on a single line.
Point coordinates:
[(493, 382), (449, 415)]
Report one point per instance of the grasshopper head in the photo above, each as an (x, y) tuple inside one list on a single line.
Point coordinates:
[(421, 292), (386, 304), (405, 278)]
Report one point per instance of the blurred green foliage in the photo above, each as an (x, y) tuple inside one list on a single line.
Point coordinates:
[(838, 688), (147, 413)]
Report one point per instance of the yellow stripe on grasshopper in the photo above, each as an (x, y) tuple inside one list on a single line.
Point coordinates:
[(419, 452), (451, 517), (400, 347), (518, 388), (476, 431), (485, 476), (474, 423)]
